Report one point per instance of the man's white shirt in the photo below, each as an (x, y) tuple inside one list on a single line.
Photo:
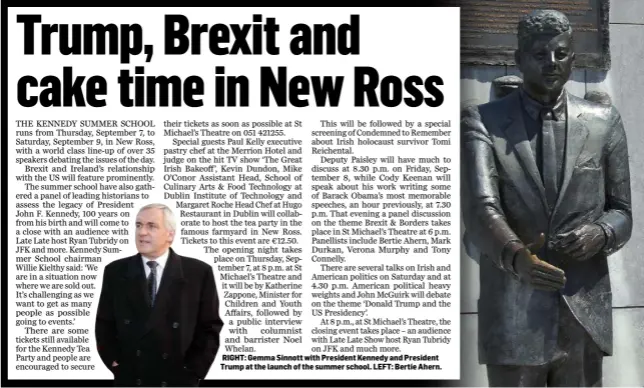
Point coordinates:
[(161, 262)]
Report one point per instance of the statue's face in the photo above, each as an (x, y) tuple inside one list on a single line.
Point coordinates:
[(546, 64)]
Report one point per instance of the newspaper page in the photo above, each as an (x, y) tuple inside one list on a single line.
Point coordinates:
[(310, 159)]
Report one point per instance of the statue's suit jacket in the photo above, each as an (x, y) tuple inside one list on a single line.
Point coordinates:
[(173, 343), (503, 200)]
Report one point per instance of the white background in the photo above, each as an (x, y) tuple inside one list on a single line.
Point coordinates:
[(399, 42)]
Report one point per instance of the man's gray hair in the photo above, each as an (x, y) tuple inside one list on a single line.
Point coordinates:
[(541, 22), (168, 215)]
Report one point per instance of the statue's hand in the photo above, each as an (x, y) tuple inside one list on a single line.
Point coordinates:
[(532, 270), (582, 243)]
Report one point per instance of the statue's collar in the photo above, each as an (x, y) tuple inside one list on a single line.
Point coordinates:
[(534, 107)]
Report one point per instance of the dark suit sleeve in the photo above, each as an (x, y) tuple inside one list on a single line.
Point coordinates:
[(481, 205), (106, 336), (205, 343), (617, 219)]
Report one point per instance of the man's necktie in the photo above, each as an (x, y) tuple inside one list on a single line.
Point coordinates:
[(549, 157), (152, 281)]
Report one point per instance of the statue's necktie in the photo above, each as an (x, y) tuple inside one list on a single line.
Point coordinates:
[(549, 157), (152, 281)]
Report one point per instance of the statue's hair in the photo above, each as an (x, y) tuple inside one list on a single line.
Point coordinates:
[(541, 22)]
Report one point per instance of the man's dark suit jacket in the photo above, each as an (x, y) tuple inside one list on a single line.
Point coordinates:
[(175, 342), (503, 199)]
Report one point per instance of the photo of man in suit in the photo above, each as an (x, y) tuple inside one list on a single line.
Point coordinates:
[(546, 198), (158, 320)]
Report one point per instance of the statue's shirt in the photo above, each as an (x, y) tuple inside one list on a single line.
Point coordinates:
[(532, 113)]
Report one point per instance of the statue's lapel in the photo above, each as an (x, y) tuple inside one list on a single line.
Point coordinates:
[(576, 135), (527, 176)]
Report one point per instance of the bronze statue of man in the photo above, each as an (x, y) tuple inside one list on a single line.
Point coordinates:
[(546, 199)]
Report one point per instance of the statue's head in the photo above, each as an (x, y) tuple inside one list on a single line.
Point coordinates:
[(545, 54)]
